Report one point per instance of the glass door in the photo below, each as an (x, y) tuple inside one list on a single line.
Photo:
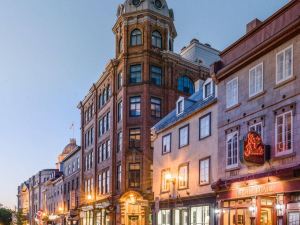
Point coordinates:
[(181, 217)]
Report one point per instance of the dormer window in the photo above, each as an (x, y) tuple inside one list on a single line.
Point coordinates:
[(180, 106), (208, 89)]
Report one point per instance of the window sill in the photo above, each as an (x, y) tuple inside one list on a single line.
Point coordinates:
[(282, 83), (166, 153), (233, 168), (257, 96), (203, 138), (206, 184), (288, 155), (183, 189), (164, 192), (233, 107), (180, 147)]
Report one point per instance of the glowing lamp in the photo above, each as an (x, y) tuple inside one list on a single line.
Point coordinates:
[(89, 197)]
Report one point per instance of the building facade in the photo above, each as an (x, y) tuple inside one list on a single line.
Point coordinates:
[(258, 122), (23, 201), (138, 87), (185, 160)]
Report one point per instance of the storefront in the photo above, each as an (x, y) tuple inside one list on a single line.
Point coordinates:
[(194, 211), (268, 200)]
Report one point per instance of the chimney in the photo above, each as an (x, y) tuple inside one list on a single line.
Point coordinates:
[(253, 24), (198, 85)]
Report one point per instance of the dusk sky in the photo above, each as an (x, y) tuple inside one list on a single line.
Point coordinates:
[(51, 52)]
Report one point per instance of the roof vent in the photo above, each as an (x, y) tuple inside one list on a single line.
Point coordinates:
[(253, 24)]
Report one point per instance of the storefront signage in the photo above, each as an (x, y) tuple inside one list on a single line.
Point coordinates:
[(254, 149), (255, 190), (87, 208), (102, 205), (72, 200)]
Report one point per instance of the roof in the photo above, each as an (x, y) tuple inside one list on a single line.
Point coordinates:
[(198, 103)]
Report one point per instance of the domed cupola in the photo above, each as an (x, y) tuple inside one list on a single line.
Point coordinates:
[(158, 6)]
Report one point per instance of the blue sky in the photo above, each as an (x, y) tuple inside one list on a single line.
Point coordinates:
[(51, 52)]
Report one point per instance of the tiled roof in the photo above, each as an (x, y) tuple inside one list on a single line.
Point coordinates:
[(172, 118)]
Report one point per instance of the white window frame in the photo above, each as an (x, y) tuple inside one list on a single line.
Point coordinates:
[(169, 136), (180, 110), (292, 69), (208, 81), (230, 136), (165, 184), (186, 176), (237, 92), (201, 172), (181, 145), (255, 81), (255, 128), (285, 152)]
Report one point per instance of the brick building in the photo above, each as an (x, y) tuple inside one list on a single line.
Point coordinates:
[(137, 88), (258, 121)]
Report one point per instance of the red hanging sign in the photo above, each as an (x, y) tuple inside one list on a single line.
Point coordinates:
[(254, 149)]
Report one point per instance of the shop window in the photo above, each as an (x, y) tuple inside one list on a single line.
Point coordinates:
[(164, 217), (294, 218), (101, 217), (256, 80), (181, 216), (232, 93), (284, 65), (183, 176), (284, 133), (232, 150), (200, 215)]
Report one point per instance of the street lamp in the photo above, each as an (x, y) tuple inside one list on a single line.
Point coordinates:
[(89, 197)]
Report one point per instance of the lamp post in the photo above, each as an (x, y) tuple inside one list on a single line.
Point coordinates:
[(280, 207), (253, 212)]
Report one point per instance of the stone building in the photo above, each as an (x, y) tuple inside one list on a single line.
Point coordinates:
[(137, 88), (258, 121), (185, 160), (23, 200)]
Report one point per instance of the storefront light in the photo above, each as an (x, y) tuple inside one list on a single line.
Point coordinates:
[(253, 210), (280, 209), (217, 211), (89, 197)]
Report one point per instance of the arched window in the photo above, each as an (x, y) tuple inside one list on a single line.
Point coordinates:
[(186, 85), (108, 92), (121, 45), (136, 37), (156, 39)]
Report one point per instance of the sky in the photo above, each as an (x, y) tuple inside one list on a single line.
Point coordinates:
[(51, 52)]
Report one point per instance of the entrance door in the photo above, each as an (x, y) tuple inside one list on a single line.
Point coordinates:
[(266, 216), (133, 220)]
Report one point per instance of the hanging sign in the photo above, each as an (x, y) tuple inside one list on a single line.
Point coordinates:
[(254, 148)]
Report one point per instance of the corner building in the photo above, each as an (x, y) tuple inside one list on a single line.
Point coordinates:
[(258, 121), (138, 87)]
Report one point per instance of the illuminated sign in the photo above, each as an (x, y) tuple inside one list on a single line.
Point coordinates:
[(254, 149), (256, 190)]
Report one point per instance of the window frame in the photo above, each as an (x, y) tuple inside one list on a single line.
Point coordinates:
[(184, 79), (230, 136), (163, 173), (237, 93), (208, 82), (155, 39), (187, 176), (136, 36), (210, 124), (130, 141), (188, 136), (120, 111), (157, 74), (209, 171), (140, 80), (255, 126), (255, 75), (162, 142), (292, 66), (290, 151), (155, 104), (130, 170), (135, 103)]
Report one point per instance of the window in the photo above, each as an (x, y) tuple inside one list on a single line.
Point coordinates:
[(205, 126), (135, 106), (164, 217), (257, 127), (204, 171), (135, 74), (184, 136), (256, 80), (165, 183), (119, 141), (119, 176), (232, 93), (156, 39), (155, 107), (120, 111), (156, 75), (200, 215), (89, 137), (284, 133), (284, 64), (183, 174), (208, 89), (104, 182), (121, 45), (186, 85), (108, 121), (135, 137), (120, 80), (166, 144), (180, 105), (134, 175), (136, 37), (232, 150), (294, 218)]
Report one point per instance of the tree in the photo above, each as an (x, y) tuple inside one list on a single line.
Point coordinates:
[(5, 216)]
